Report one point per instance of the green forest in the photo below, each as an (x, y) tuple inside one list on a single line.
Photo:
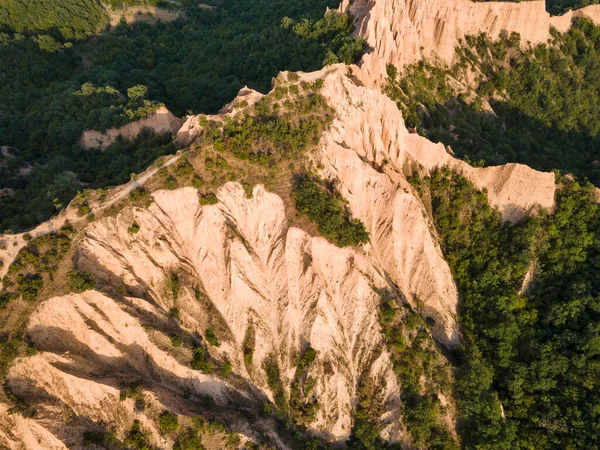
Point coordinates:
[(55, 84), (528, 370)]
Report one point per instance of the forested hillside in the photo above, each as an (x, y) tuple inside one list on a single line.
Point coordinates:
[(545, 102), (528, 369), (71, 19), (52, 88)]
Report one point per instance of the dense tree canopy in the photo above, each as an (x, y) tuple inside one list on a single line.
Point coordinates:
[(533, 356), (52, 88)]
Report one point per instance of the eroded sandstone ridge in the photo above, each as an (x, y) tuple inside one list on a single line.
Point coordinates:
[(160, 121), (243, 270), (402, 32)]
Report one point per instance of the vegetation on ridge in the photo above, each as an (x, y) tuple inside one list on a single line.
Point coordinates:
[(545, 101), (194, 64)]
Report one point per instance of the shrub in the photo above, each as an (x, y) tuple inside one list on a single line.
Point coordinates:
[(211, 337), (170, 183), (208, 199), (329, 212), (174, 313), (188, 440), (81, 281), (168, 423), (200, 360), (226, 368), (134, 228), (29, 286), (184, 169), (176, 340), (274, 382), (136, 438), (173, 284), (138, 194)]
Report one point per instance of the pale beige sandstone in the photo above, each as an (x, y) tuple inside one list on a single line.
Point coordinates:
[(563, 23), (296, 290), (368, 152), (160, 121), (402, 32), (193, 124), (20, 433), (90, 344)]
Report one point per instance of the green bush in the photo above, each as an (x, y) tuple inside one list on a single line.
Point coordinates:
[(208, 199), (201, 360), (188, 440), (329, 212), (176, 341), (81, 281), (134, 228), (136, 438), (168, 423), (138, 194), (211, 337), (274, 382), (29, 286)]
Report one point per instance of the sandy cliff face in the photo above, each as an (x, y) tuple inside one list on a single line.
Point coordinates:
[(246, 273), (254, 271), (160, 121), (402, 32), (369, 153)]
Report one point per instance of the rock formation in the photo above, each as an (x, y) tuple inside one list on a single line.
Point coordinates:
[(402, 32), (160, 121)]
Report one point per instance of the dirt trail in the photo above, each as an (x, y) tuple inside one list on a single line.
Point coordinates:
[(15, 242)]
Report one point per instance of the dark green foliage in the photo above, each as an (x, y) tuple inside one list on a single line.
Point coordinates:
[(334, 30), (138, 194), (106, 440), (188, 440), (329, 211), (176, 341), (39, 257), (168, 423), (134, 228), (274, 381), (546, 100), (51, 89), (275, 129), (536, 353), (29, 286), (136, 438), (72, 19), (556, 7), (184, 169), (421, 375), (208, 199), (201, 360), (173, 284), (368, 410), (304, 404), (226, 368), (81, 281), (211, 337)]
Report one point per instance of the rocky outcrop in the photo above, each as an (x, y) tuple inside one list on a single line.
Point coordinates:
[(255, 273), (368, 153), (18, 432), (160, 121), (402, 32), (245, 272)]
